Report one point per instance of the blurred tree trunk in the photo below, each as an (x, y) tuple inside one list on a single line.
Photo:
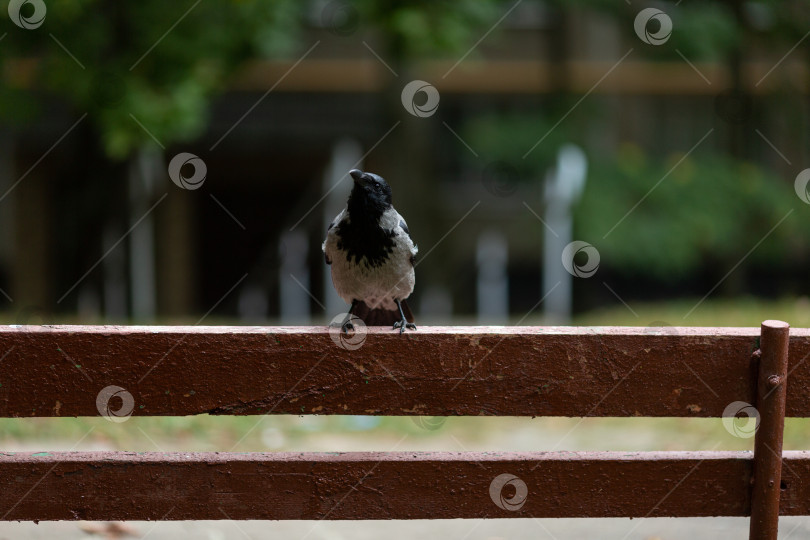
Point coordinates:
[(32, 261), (7, 179), (176, 244), (739, 135)]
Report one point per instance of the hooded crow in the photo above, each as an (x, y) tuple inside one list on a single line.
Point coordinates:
[(371, 253)]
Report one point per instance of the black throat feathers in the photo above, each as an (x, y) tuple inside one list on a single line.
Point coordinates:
[(361, 236)]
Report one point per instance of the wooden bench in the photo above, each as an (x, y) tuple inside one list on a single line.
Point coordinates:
[(439, 371)]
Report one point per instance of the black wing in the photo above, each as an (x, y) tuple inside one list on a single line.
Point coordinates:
[(325, 256), (404, 227)]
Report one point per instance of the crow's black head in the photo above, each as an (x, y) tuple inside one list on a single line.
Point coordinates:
[(371, 194)]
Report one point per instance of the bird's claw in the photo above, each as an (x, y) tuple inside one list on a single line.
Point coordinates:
[(347, 326), (403, 324)]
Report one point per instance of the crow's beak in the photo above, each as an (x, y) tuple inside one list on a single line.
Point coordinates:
[(357, 174)]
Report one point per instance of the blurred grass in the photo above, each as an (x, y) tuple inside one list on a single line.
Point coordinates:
[(355, 433), (359, 433), (743, 311)]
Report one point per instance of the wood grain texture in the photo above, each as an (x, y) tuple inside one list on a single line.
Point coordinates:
[(401, 485), (435, 371)]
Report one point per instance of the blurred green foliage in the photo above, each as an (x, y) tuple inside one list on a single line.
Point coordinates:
[(704, 208), (527, 141), (161, 62), (710, 209), (422, 28), (157, 61), (701, 30)]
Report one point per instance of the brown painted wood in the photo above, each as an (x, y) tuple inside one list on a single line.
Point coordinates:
[(435, 371), (401, 485), (771, 393), (492, 76), (511, 76)]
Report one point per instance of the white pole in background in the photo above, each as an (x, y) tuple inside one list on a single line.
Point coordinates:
[(346, 154), (564, 185), (492, 281), (143, 174), (294, 279)]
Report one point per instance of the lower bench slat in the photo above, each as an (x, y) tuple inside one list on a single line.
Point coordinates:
[(396, 485)]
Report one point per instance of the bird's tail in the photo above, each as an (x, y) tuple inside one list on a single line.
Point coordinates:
[(381, 317)]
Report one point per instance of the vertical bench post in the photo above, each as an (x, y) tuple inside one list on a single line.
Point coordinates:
[(771, 395)]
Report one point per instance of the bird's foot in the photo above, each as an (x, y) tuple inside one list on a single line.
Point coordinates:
[(347, 326), (403, 324)]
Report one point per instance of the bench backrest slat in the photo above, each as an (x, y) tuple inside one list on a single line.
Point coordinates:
[(173, 371)]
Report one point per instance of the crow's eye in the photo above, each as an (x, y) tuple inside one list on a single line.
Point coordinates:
[(378, 187)]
